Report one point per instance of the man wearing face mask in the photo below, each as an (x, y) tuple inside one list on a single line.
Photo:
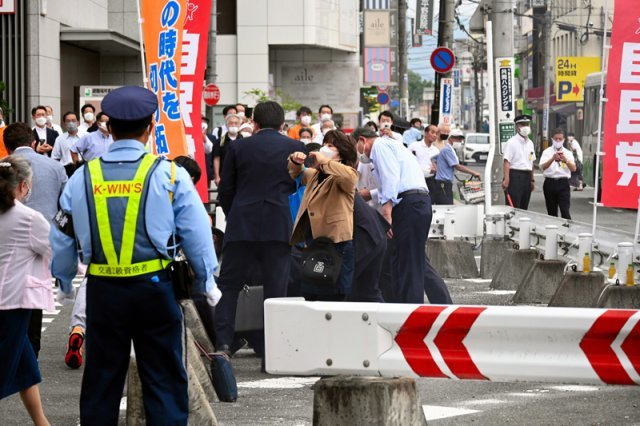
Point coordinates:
[(88, 115), (557, 163), (50, 123), (519, 154), (221, 145), (44, 136), (62, 149), (94, 144), (127, 211), (325, 112), (304, 120)]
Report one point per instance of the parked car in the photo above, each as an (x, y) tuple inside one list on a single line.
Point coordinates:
[(476, 147)]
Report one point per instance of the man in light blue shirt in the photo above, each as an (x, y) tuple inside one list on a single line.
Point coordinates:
[(446, 165), (94, 144), (129, 211), (406, 205)]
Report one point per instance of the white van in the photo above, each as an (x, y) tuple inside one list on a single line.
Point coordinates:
[(476, 147)]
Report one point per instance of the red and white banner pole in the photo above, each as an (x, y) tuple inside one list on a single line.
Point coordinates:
[(496, 343)]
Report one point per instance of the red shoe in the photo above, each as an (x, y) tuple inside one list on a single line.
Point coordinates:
[(73, 358)]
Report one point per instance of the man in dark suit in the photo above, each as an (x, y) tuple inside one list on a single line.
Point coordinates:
[(45, 137), (254, 195), (370, 242)]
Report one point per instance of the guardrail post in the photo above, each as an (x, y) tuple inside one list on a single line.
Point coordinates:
[(524, 236), (551, 243), (449, 224)]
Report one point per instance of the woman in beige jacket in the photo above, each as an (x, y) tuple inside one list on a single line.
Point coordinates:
[(326, 209)]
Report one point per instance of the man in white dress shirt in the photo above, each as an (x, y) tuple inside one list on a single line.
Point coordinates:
[(62, 149), (557, 163), (519, 154)]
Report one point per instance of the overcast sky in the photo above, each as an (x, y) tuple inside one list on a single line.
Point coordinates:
[(419, 56)]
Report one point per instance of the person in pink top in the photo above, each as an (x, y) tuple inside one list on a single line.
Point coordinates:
[(25, 284)]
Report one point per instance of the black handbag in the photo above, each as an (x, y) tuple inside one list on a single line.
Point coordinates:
[(321, 262), (222, 375), (182, 277)]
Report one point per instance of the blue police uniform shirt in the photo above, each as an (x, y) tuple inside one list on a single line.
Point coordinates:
[(397, 170), (186, 217), (446, 161)]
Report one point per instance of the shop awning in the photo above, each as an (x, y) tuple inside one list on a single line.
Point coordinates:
[(105, 42)]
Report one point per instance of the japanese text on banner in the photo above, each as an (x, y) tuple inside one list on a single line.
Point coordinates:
[(621, 163)]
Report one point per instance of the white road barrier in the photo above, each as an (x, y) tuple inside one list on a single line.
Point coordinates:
[(496, 343)]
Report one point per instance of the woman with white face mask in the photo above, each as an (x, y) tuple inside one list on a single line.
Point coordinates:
[(557, 163), (326, 209), (519, 155)]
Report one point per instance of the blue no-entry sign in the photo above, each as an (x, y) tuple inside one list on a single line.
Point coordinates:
[(383, 98), (442, 60)]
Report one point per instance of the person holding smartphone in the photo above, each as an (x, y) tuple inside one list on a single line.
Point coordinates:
[(557, 163)]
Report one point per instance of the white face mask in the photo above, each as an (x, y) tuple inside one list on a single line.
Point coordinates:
[(240, 114), (325, 116), (88, 117), (327, 152), (558, 144), (205, 126), (305, 119), (233, 130), (49, 119), (305, 140), (41, 121), (246, 134), (363, 158), (525, 131), (103, 126)]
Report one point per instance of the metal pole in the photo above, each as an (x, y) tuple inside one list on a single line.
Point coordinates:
[(502, 39), (491, 193), (547, 72), (402, 63), (445, 38), (596, 184), (144, 65), (210, 72)]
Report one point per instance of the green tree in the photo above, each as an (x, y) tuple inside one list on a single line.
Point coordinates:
[(416, 87), (288, 102)]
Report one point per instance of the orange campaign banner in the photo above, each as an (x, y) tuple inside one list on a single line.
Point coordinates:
[(162, 26)]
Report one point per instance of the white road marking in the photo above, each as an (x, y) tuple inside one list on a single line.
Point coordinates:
[(280, 383), (436, 412), (575, 388), (497, 292), (478, 280), (483, 402), (47, 320), (55, 312), (523, 394)]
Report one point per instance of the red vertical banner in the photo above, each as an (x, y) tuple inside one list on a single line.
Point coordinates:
[(162, 24), (621, 163), (195, 38)]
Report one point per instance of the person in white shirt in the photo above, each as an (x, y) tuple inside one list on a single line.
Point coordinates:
[(325, 112), (519, 154), (576, 180), (88, 113), (385, 121), (557, 163), (425, 151), (326, 125), (50, 123), (219, 132), (62, 148)]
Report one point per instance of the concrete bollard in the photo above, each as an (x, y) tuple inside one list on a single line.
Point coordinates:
[(540, 282), (551, 242), (513, 268), (620, 297), (200, 368), (452, 258), (524, 235), (492, 252), (579, 290), (200, 412), (349, 400), (194, 323)]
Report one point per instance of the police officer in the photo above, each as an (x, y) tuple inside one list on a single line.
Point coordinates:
[(557, 164), (125, 210), (519, 154)]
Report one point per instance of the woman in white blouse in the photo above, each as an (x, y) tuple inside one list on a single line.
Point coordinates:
[(25, 284)]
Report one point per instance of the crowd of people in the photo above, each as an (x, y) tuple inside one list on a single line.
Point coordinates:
[(310, 211)]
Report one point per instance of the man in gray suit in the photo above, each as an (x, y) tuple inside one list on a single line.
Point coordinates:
[(48, 181)]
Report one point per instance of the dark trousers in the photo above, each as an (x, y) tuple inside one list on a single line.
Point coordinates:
[(386, 275), (273, 262), (443, 192), (366, 276), (35, 330), (431, 184), (519, 188), (411, 220), (435, 287), (145, 311), (557, 193)]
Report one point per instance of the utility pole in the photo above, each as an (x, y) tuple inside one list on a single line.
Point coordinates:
[(402, 60), (547, 72), (445, 38), (502, 38), (210, 71), (477, 68)]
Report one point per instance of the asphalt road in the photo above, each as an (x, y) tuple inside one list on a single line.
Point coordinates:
[(269, 400)]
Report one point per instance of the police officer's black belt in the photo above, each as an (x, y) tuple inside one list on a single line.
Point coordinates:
[(412, 192), (562, 178), (520, 171)]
